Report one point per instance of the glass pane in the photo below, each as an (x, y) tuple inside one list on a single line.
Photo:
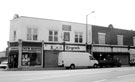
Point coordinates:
[(80, 40), (76, 40), (35, 31), (55, 38), (55, 33), (66, 36), (34, 37), (50, 38), (28, 36), (50, 32), (80, 35)]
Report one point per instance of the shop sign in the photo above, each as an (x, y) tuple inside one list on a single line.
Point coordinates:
[(102, 49), (53, 47), (13, 48), (120, 49), (32, 49), (75, 48)]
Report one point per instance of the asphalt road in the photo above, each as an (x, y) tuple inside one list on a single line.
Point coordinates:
[(123, 74)]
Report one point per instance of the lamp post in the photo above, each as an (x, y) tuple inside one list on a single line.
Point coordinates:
[(87, 28)]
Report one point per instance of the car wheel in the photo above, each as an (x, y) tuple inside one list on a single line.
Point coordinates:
[(72, 66), (95, 65)]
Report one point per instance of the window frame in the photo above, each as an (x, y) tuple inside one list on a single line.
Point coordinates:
[(54, 37), (120, 39), (78, 37), (100, 39)]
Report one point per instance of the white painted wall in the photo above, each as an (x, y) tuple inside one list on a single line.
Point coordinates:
[(44, 25)]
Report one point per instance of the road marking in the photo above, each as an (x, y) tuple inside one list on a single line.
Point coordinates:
[(100, 80), (125, 76)]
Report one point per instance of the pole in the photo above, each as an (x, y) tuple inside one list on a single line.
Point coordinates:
[(87, 29)]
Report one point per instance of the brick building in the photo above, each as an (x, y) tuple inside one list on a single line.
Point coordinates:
[(110, 41)]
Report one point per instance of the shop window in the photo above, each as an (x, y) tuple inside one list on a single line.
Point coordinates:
[(31, 59), (78, 37), (53, 35)]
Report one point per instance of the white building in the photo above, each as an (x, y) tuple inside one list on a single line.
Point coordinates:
[(42, 39)]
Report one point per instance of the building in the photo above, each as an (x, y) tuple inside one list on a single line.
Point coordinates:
[(36, 42), (110, 41)]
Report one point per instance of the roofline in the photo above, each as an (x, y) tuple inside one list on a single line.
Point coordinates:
[(50, 19), (113, 28)]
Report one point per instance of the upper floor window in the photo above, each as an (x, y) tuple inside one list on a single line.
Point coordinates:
[(101, 38), (78, 37), (53, 35), (32, 33), (133, 41), (14, 35), (120, 39), (66, 36)]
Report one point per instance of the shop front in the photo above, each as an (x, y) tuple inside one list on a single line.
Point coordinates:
[(51, 52), (106, 52), (25, 54), (13, 57), (31, 56)]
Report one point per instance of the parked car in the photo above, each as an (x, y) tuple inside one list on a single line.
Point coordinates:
[(4, 64), (109, 62)]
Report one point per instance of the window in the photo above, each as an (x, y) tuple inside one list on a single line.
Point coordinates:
[(91, 58), (78, 37), (35, 34), (32, 33), (66, 36), (120, 39), (133, 41), (14, 36), (53, 35), (31, 59), (101, 38)]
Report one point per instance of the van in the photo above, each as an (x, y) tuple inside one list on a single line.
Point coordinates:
[(76, 59)]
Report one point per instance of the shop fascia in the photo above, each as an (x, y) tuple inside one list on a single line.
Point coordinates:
[(67, 47)]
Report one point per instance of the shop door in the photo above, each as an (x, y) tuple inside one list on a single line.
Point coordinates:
[(13, 60), (51, 58)]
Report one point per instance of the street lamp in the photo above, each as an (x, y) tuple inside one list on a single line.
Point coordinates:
[(87, 27)]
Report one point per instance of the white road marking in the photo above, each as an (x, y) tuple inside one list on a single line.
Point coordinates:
[(100, 80), (125, 76)]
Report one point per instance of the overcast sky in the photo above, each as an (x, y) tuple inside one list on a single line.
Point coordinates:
[(120, 13)]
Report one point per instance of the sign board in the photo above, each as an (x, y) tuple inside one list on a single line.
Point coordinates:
[(102, 49), (53, 47), (75, 48), (13, 48), (120, 50), (32, 49)]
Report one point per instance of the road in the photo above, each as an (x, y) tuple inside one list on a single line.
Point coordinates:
[(123, 74)]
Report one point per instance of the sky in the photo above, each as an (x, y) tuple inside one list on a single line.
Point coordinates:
[(119, 13)]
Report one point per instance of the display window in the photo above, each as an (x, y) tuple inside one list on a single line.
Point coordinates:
[(31, 59)]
